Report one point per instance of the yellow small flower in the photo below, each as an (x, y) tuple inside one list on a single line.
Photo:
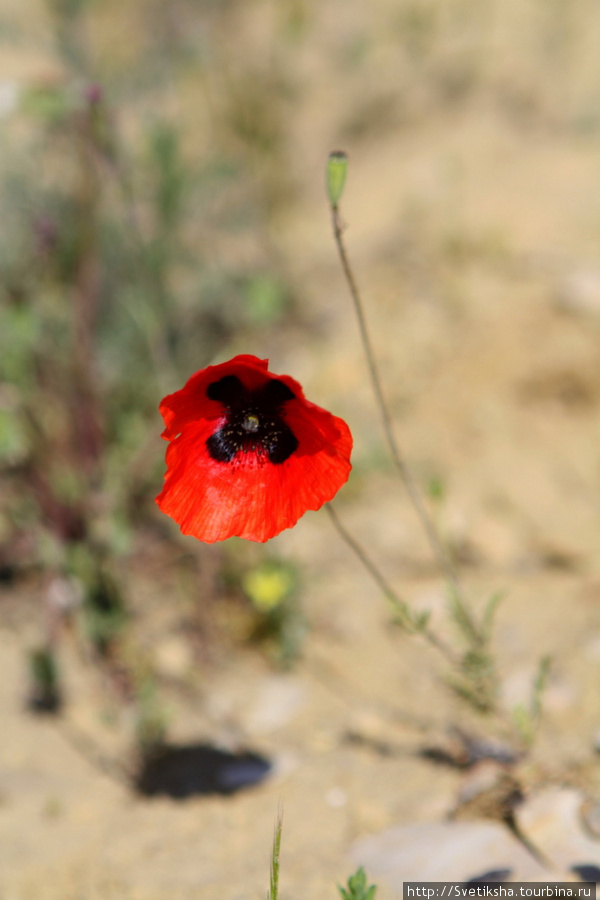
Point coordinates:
[(267, 587)]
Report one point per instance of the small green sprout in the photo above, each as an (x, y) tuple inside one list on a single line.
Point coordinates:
[(357, 887)]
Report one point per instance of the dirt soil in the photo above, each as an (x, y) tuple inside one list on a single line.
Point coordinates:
[(474, 231)]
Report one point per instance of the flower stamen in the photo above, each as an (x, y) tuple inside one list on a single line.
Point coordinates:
[(253, 421)]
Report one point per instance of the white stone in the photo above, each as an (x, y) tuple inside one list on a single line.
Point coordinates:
[(445, 851)]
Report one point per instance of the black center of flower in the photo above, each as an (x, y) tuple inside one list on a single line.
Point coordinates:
[(254, 423)]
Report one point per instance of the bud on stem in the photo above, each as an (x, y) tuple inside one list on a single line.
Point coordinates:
[(337, 165)]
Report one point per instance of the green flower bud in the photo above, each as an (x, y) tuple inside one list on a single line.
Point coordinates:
[(337, 165)]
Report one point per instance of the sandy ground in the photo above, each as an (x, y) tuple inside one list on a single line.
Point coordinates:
[(474, 234)]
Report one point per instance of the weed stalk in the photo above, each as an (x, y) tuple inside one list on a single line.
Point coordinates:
[(476, 682)]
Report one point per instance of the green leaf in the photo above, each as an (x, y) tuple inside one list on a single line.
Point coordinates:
[(488, 615), (275, 854), (356, 888)]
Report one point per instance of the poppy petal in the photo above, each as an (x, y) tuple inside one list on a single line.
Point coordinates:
[(253, 490), (191, 403)]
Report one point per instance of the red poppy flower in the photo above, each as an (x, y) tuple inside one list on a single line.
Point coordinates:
[(249, 454)]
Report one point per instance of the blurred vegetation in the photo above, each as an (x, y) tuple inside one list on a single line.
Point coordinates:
[(113, 290), (136, 247), (146, 169)]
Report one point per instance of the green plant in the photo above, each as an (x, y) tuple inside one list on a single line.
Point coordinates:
[(273, 892), (357, 888), (472, 674)]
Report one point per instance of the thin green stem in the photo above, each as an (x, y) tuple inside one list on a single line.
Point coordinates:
[(397, 457), (405, 615), (275, 853)]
